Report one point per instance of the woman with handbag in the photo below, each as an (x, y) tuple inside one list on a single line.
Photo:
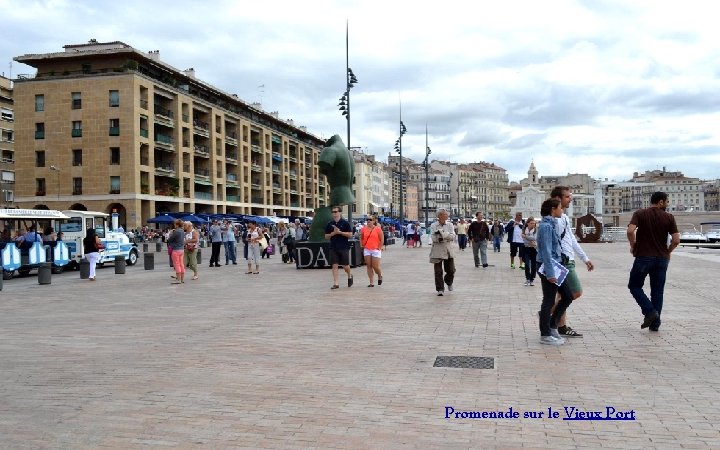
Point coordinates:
[(176, 242), (91, 248), (192, 239), (281, 234)]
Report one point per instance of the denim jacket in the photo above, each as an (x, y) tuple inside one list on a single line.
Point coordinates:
[(548, 245)]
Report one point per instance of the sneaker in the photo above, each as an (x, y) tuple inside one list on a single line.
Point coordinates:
[(566, 331), (556, 334), (512, 266), (549, 340), (440, 293), (532, 283), (450, 287), (522, 266), (350, 281), (527, 282), (484, 266)]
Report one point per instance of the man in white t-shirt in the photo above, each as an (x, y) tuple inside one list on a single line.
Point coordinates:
[(517, 244)]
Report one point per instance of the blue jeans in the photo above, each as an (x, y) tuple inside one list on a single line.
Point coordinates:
[(496, 243), (656, 267), (230, 252)]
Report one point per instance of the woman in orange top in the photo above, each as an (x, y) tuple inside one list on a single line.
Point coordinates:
[(373, 242)]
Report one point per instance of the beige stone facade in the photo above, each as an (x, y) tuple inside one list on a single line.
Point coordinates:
[(7, 144), (106, 127)]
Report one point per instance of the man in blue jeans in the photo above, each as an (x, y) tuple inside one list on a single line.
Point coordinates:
[(648, 235)]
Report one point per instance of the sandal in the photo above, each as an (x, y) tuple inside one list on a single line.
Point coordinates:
[(379, 281), (256, 273), (569, 332), (372, 285), (195, 277), (248, 273), (335, 286)]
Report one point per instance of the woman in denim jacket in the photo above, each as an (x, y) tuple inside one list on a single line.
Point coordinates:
[(548, 249)]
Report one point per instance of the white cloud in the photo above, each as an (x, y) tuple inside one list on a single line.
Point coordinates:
[(604, 87)]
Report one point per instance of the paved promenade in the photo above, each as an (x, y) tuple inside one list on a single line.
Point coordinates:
[(278, 360)]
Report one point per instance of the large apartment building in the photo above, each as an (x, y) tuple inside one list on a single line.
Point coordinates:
[(104, 126), (7, 140)]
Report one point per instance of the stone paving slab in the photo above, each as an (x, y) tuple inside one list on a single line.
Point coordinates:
[(277, 360)]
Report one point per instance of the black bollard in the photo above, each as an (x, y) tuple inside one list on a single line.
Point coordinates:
[(84, 269), (199, 256), (145, 247), (158, 246), (120, 264), (149, 261), (45, 273)]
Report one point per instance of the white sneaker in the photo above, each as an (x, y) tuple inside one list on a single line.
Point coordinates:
[(440, 293), (527, 283), (554, 333), (450, 287), (550, 340)]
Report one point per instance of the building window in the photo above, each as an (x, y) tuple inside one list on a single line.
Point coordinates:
[(40, 130), (114, 185), (86, 68), (114, 156), (77, 186), (39, 103), (40, 158), (76, 100), (114, 127), (77, 157), (114, 99), (39, 186), (77, 128)]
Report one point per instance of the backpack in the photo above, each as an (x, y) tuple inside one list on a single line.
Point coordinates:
[(270, 249)]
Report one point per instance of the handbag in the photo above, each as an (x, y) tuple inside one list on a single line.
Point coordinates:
[(288, 240), (263, 243)]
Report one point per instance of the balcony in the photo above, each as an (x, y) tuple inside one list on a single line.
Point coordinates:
[(202, 173), (232, 178), (293, 159), (256, 148), (115, 131), (256, 167), (164, 116), (164, 142), (202, 150), (39, 135), (258, 200), (233, 198), (255, 186), (203, 195), (165, 169), (275, 169), (231, 139), (144, 104), (201, 128), (276, 156), (76, 132), (143, 132), (231, 157)]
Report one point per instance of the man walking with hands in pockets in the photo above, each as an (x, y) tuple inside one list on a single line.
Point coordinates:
[(338, 231)]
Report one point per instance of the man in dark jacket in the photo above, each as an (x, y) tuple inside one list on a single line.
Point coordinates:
[(479, 233)]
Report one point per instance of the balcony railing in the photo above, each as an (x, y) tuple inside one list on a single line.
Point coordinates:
[(115, 131), (39, 135), (143, 132), (256, 167), (233, 198), (201, 125), (162, 111), (256, 148), (232, 177), (202, 173), (203, 195), (76, 132)]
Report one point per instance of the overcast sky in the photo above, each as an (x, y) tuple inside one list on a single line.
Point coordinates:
[(601, 87)]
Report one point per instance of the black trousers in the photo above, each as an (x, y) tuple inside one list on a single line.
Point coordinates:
[(215, 253), (550, 290), (449, 276)]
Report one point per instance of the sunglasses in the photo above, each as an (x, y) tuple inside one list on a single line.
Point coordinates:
[(336, 211)]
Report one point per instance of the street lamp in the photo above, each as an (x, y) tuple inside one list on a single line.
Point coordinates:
[(398, 149), (350, 81), (426, 163), (56, 169)]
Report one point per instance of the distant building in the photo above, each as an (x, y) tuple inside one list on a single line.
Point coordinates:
[(684, 193)]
